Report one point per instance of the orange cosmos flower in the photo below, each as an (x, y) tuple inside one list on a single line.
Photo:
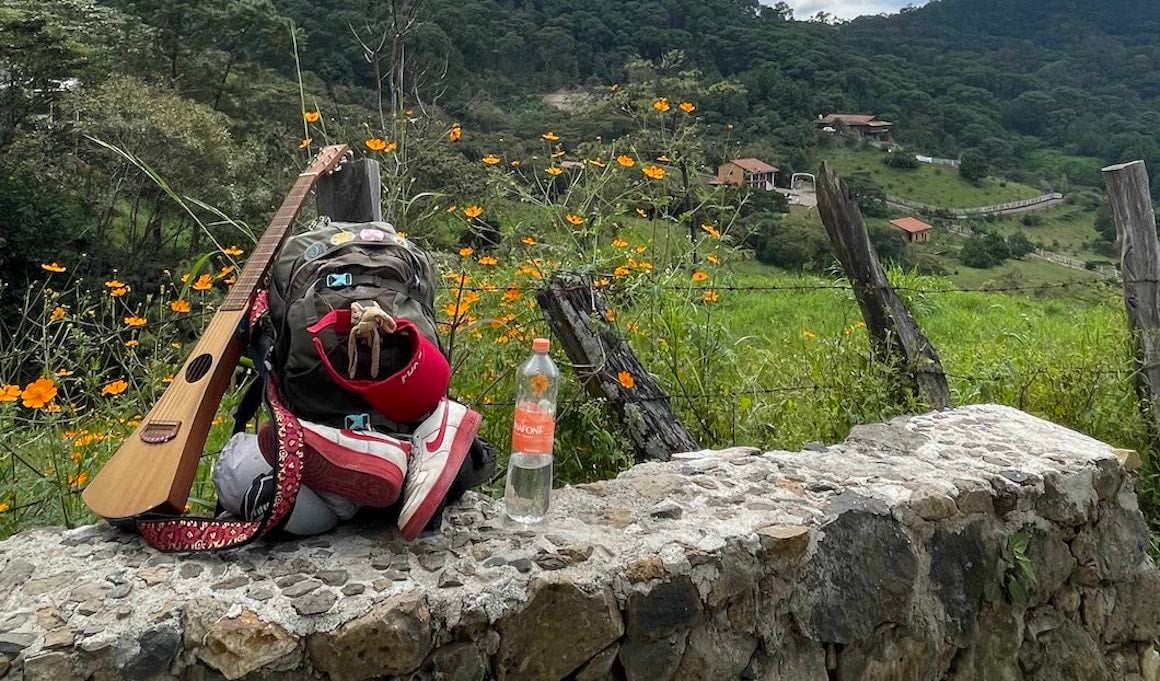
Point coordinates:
[(610, 315), (132, 343), (711, 231), (517, 163), (687, 107), (626, 380), (488, 261), (597, 162), (619, 243), (654, 172), (574, 219), (52, 267), (700, 276), (554, 171), (118, 292), (306, 142), (79, 479), (232, 251), (39, 393), (528, 241), (511, 294), (225, 272), (203, 283), (58, 313), (473, 211), (311, 116), (114, 283), (491, 160), (466, 251), (621, 271), (663, 158), (63, 373), (551, 136), (135, 321), (455, 134), (9, 393), (115, 387), (713, 259), (641, 248), (376, 144), (661, 104), (710, 296), (626, 161), (809, 335)]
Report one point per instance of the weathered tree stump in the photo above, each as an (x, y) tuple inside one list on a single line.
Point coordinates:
[(353, 194), (894, 335), (1130, 194), (577, 316)]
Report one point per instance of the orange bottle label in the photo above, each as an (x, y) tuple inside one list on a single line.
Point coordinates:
[(532, 430)]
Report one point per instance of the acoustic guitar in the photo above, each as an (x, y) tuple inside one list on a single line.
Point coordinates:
[(153, 469)]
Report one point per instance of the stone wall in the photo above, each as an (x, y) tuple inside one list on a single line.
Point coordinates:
[(874, 559)]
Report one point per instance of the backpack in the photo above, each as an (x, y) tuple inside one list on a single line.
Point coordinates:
[(324, 270)]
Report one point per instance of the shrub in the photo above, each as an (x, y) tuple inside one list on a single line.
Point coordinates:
[(901, 161)]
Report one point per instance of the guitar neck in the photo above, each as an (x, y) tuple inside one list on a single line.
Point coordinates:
[(268, 246)]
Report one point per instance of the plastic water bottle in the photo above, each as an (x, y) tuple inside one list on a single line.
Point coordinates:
[(529, 474)]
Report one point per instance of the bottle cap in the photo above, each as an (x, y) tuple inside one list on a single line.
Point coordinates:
[(541, 345)]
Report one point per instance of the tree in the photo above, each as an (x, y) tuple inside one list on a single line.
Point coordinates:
[(984, 251), (973, 165)]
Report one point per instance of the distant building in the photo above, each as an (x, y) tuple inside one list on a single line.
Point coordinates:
[(867, 125), (917, 231), (747, 172)]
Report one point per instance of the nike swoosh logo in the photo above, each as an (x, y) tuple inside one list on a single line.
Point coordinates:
[(433, 447)]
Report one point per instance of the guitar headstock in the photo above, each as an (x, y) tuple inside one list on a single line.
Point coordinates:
[(328, 160)]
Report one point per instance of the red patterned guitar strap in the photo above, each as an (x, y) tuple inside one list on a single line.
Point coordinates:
[(175, 535)]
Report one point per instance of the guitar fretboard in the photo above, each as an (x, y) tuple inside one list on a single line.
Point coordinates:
[(259, 261)]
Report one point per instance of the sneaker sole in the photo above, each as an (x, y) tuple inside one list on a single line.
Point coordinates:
[(468, 427), (365, 480)]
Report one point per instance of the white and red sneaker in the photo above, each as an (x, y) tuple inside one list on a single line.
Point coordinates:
[(366, 467), (438, 448)]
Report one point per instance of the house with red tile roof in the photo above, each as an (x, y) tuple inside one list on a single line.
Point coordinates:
[(917, 231), (866, 125), (748, 172)]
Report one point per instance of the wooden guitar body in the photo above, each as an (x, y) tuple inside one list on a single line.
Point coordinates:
[(153, 470)]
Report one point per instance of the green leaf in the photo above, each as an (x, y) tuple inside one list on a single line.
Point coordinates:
[(1019, 542), (1018, 592), (991, 590)]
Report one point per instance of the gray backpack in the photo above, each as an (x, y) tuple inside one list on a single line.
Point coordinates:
[(328, 268)]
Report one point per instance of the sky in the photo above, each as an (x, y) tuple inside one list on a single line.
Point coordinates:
[(846, 9)]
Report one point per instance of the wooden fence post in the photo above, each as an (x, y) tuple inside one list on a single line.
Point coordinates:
[(353, 194), (894, 335), (1130, 194), (578, 317)]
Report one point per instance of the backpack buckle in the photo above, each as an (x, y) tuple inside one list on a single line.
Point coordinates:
[(358, 422), (339, 279)]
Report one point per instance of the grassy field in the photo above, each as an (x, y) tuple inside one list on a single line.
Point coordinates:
[(1067, 229), (933, 185)]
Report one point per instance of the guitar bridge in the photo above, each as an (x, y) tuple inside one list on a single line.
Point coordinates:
[(156, 432)]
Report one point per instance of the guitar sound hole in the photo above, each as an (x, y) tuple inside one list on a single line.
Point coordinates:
[(198, 368)]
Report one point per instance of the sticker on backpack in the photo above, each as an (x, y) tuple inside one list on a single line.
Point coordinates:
[(315, 251)]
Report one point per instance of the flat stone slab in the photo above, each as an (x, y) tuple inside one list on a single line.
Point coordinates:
[(874, 553)]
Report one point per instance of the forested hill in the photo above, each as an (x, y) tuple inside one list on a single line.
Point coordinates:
[(206, 92), (1083, 77)]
